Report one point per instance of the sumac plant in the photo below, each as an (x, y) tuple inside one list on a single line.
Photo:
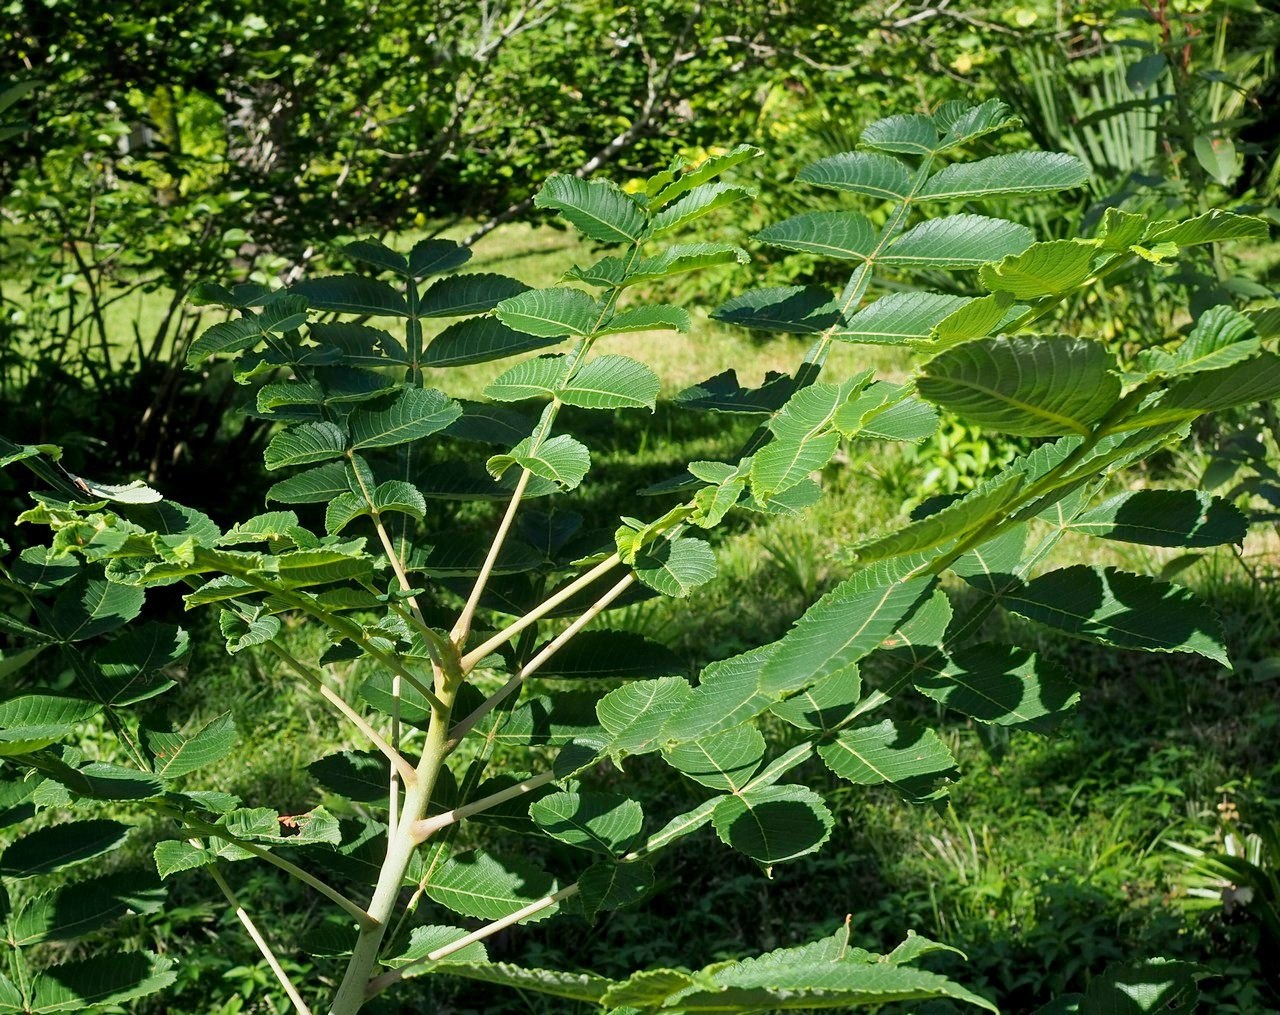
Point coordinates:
[(463, 648)]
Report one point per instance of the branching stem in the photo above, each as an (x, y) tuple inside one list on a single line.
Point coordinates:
[(427, 827)]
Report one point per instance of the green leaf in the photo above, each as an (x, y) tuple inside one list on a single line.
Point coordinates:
[(803, 440), (395, 495), (87, 607), (773, 824), (99, 780), (1221, 338), (1125, 610), (551, 313), (840, 628), (129, 663), (860, 173), (962, 122), (305, 444), (1245, 383), (955, 520), (242, 634), (609, 885), (416, 413), (909, 134), (435, 257), (75, 910), (899, 318), (596, 208), (175, 754), (958, 241), (612, 382), (530, 378), (675, 567), (913, 760), (172, 857), (1211, 227), (654, 318), (425, 940), (723, 393), (379, 255), (698, 201), (902, 419), (1043, 269), (479, 340), (561, 459), (728, 694), (793, 310), (1217, 156), (108, 979), (1144, 988), (44, 714), (1028, 386), (611, 272), (847, 235), (479, 885), (606, 823), (462, 295), (1003, 685), (680, 177), (56, 847), (315, 486), (1185, 518), (586, 987), (362, 776), (724, 761), (1018, 173), (352, 294), (634, 715), (824, 705)]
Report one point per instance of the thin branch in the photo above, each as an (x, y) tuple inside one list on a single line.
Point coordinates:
[(259, 940), (380, 983), (463, 626), (398, 760), (424, 828), (473, 657)]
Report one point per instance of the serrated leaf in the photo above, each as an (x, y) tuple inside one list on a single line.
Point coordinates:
[(378, 254), (634, 714), (652, 318), (952, 522), (305, 444), (724, 393), (128, 663), (1117, 608), (480, 885), (314, 486), (1184, 518), (586, 987), (839, 629), (541, 376), (352, 294), (176, 754), (825, 704), (899, 318), (425, 940), (1028, 386), (610, 655), (608, 885), (416, 413), (908, 133), (612, 382), (724, 761), (1244, 383), (1043, 269), (362, 776), (479, 340), (958, 241), (56, 847), (1211, 227), (561, 459), (846, 235), (108, 979), (1017, 173), (860, 173), (619, 272), (793, 310), (87, 607), (675, 567), (77, 909), (696, 202), (435, 257), (463, 295), (913, 760), (242, 634), (728, 694), (1004, 685), (602, 822), (773, 824), (681, 177), (1221, 337), (598, 209)]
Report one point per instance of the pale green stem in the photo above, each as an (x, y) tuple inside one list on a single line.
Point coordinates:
[(428, 827), (387, 979), (256, 936), (463, 626), (473, 657), (529, 668)]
